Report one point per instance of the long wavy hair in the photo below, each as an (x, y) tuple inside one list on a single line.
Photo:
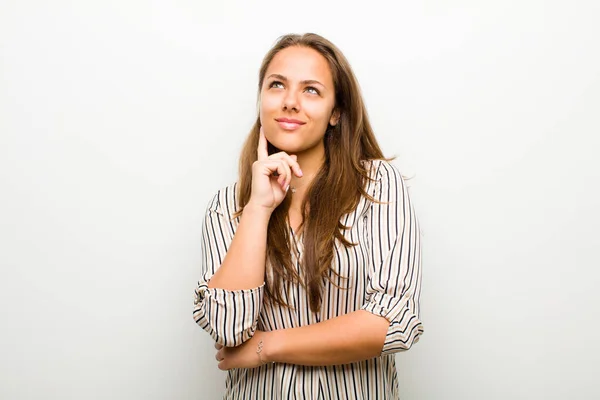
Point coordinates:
[(335, 190)]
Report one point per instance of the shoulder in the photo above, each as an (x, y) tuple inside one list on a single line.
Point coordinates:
[(224, 200), (383, 173)]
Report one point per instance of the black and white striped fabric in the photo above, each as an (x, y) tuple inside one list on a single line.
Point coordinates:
[(384, 278)]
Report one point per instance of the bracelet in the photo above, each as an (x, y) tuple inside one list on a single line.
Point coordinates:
[(258, 351)]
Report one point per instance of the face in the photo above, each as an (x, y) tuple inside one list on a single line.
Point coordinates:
[(297, 100)]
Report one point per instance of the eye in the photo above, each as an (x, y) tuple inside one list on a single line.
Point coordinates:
[(312, 90), (275, 84)]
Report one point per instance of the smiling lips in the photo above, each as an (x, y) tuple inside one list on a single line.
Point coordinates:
[(289, 124)]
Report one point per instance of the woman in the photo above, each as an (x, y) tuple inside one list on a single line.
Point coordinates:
[(311, 261)]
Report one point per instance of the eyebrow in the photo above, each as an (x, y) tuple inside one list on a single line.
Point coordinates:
[(304, 82)]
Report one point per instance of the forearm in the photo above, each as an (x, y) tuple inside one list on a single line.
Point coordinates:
[(353, 337), (244, 264)]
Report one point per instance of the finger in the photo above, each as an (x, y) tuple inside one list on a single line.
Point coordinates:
[(292, 161), (285, 174), (279, 169), (263, 147), (284, 178)]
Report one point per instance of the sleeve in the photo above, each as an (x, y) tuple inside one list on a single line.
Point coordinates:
[(394, 281), (230, 317)]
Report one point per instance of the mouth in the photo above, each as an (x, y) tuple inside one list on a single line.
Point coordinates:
[(289, 124)]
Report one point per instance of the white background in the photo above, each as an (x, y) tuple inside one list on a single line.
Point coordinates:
[(120, 119)]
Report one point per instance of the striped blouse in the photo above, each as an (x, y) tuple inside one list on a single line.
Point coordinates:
[(384, 278)]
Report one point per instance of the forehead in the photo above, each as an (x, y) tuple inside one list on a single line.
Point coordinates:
[(301, 63)]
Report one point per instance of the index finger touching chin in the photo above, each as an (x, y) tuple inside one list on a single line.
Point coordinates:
[(263, 151)]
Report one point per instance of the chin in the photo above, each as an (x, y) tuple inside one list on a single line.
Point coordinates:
[(286, 142), (291, 143), (289, 148)]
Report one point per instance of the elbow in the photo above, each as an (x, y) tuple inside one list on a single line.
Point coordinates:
[(400, 339), (405, 327), (233, 339), (230, 318), (228, 336), (413, 337)]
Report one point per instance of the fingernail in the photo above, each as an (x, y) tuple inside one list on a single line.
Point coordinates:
[(301, 173), (287, 188)]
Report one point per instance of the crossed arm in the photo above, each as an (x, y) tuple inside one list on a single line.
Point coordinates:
[(388, 322), (349, 338)]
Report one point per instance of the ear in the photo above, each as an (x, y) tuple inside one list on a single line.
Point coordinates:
[(335, 117)]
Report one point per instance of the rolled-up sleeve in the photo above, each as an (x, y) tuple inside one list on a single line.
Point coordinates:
[(230, 317), (394, 281)]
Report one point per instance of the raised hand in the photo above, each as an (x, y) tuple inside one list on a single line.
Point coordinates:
[(271, 176)]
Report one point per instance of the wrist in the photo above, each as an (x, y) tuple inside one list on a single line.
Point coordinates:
[(272, 344), (256, 210)]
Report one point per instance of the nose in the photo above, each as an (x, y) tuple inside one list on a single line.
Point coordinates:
[(290, 101)]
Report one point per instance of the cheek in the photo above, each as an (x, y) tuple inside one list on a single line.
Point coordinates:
[(269, 103), (269, 109), (318, 112)]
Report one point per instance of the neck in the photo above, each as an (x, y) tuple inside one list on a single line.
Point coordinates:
[(310, 163)]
